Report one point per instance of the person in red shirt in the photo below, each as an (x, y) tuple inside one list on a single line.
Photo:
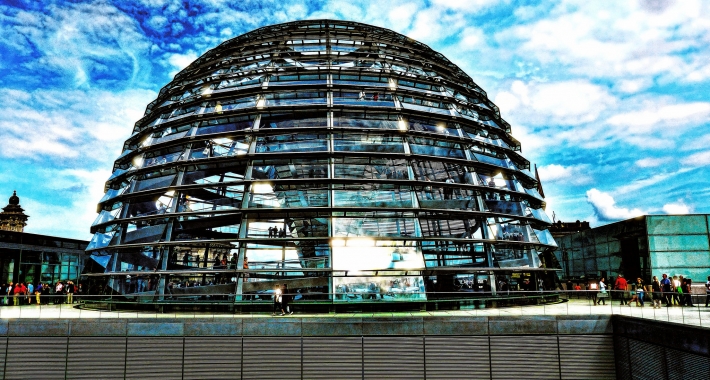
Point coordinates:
[(18, 292), (620, 285)]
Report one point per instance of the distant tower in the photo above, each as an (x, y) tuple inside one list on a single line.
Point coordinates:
[(13, 217)]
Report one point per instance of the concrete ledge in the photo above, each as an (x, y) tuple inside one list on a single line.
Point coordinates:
[(101, 328), (455, 326), (331, 326), (272, 327), (567, 324), (155, 328), (49, 327), (522, 325), (393, 326), (214, 328)]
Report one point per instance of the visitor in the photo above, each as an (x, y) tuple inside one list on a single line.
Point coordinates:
[(603, 295), (707, 292), (17, 294), (286, 299), (687, 295), (38, 292), (30, 292), (621, 286), (245, 277), (637, 293), (676, 289), (666, 286), (70, 292), (278, 298), (656, 294)]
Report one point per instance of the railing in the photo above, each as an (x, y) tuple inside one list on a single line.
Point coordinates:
[(357, 303)]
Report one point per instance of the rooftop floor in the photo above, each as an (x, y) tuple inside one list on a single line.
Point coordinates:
[(698, 315)]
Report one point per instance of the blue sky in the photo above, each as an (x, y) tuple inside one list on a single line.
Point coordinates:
[(608, 98)]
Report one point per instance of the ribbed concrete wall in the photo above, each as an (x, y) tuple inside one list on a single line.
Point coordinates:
[(534, 347)]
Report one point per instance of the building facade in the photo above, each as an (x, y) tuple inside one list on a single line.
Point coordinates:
[(641, 247), (345, 160)]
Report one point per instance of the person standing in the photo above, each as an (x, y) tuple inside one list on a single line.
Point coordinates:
[(666, 289), (70, 292), (286, 299), (707, 292), (656, 292), (620, 285), (602, 293), (278, 298), (638, 293), (687, 296)]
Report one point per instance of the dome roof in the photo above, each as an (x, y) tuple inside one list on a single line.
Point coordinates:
[(322, 148), (14, 199)]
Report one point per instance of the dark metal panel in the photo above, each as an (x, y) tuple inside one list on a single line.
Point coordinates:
[(36, 358), (332, 358), (621, 356), (587, 357), (684, 366), (646, 360), (212, 358), (3, 347), (96, 357), (524, 357), (274, 358), (457, 357), (154, 358), (400, 357)]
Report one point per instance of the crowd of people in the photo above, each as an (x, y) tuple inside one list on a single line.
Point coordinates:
[(670, 291), (20, 293)]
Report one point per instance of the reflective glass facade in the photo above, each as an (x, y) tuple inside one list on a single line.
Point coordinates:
[(346, 160), (642, 247)]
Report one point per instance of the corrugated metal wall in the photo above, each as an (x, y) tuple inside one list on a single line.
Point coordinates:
[(279, 357)]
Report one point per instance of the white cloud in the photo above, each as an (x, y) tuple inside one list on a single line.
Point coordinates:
[(652, 162), (605, 207), (657, 116), (697, 159), (181, 61), (575, 174), (677, 208), (565, 102)]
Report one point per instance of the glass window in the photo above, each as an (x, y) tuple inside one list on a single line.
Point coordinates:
[(293, 121), (223, 125), (292, 142), (433, 126), (290, 169), (218, 147), (295, 98), (363, 98), (434, 225), (214, 173), (454, 254), (220, 106), (372, 195), (378, 226), (267, 195), (685, 224), (431, 147), (211, 199), (362, 142), (365, 120), (371, 168)]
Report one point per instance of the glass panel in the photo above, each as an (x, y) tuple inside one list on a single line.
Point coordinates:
[(219, 147), (372, 195), (223, 125), (207, 227), (211, 199), (352, 142), (678, 242), (371, 168), (296, 142), (450, 254), (297, 227), (374, 226), (453, 228), (265, 195), (437, 171), (363, 121), (432, 126), (430, 147), (363, 98), (295, 98), (292, 121), (290, 169), (686, 224)]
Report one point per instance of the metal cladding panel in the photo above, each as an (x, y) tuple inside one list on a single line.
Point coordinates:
[(457, 357), (154, 358), (646, 360), (332, 358), (524, 357), (212, 358), (685, 366), (3, 347), (36, 357), (96, 357), (400, 357), (587, 357), (621, 356), (271, 358)]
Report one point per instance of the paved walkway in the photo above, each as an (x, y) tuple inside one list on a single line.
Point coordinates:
[(698, 315)]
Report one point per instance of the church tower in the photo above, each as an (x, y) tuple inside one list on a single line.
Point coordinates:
[(13, 217)]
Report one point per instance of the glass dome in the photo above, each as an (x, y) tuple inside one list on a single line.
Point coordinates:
[(345, 160)]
